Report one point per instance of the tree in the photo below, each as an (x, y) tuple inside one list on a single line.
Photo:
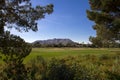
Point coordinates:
[(106, 15), (15, 50), (96, 41), (18, 14), (22, 14)]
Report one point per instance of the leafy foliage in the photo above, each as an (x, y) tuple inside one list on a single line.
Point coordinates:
[(21, 15), (87, 67), (59, 70), (14, 50), (106, 20)]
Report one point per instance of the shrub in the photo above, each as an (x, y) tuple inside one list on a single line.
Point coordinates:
[(58, 70), (76, 68), (38, 67)]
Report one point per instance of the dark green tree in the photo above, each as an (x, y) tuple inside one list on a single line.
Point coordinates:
[(21, 15), (96, 42), (106, 15), (14, 50)]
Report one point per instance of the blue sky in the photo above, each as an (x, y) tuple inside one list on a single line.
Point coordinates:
[(69, 20)]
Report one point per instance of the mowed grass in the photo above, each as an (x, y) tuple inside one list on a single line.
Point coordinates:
[(48, 53)]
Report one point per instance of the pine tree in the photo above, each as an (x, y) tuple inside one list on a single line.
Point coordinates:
[(106, 15), (18, 14)]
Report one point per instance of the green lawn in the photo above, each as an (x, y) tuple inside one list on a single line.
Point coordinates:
[(62, 52), (48, 53)]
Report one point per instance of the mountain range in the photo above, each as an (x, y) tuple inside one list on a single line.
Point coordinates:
[(55, 42)]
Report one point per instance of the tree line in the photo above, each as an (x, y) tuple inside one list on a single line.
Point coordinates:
[(76, 45)]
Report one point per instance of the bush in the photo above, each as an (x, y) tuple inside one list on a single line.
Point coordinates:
[(77, 68), (59, 70), (38, 67)]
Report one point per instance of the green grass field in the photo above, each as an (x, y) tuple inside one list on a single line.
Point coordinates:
[(48, 53), (80, 63), (63, 52)]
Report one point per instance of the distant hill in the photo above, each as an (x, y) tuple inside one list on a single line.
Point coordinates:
[(55, 43)]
